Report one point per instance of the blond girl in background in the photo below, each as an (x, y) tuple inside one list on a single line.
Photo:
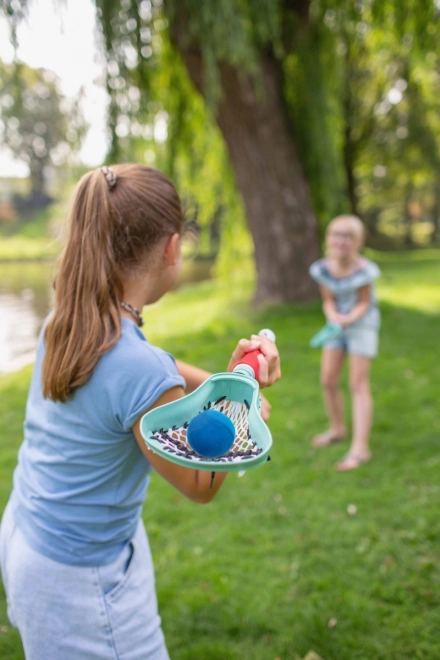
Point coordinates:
[(346, 281)]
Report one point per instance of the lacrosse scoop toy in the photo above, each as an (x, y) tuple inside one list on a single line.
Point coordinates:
[(329, 331), (167, 429)]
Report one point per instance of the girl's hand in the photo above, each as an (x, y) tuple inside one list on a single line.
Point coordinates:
[(269, 359), (344, 320), (333, 316)]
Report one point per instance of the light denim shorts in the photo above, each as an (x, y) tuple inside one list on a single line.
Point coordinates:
[(70, 613), (354, 340)]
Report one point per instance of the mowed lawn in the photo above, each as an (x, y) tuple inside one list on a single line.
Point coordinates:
[(294, 556)]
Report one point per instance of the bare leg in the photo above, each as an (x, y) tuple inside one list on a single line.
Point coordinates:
[(331, 365), (362, 406)]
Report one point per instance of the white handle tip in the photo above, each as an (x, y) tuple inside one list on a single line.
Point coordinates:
[(268, 333)]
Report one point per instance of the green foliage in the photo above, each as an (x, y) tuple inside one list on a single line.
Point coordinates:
[(280, 564), (343, 65), (340, 60), (235, 31), (381, 96), (394, 126), (312, 87), (37, 123), (160, 119)]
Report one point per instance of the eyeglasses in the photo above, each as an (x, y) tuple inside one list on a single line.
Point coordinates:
[(346, 236)]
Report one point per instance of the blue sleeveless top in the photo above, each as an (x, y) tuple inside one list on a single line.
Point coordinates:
[(345, 290), (81, 478)]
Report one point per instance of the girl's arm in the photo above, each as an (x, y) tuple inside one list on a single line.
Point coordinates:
[(329, 306), (361, 307), (195, 484), (192, 375)]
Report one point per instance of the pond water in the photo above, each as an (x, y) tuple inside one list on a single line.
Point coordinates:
[(26, 297), (25, 300)]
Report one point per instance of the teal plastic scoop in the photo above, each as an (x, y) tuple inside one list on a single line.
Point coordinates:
[(236, 394), (329, 331)]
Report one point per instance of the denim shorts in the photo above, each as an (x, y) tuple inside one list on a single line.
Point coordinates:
[(73, 613), (354, 340)]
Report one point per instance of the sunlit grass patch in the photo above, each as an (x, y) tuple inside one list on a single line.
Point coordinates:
[(13, 248), (29, 240), (410, 279)]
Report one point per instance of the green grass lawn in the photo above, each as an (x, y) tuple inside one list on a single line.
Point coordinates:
[(295, 556)]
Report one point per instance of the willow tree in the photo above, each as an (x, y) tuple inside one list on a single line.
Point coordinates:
[(228, 50), (271, 74)]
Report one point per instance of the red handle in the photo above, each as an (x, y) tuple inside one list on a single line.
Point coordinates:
[(251, 359)]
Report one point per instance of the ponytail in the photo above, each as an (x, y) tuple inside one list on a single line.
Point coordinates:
[(117, 216)]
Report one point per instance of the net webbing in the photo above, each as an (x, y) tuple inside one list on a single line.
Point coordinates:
[(174, 439)]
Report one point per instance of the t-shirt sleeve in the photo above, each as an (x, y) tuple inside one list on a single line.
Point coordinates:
[(373, 271), (369, 273), (317, 272), (142, 381)]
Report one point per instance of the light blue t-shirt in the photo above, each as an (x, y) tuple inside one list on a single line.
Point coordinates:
[(81, 478), (346, 289)]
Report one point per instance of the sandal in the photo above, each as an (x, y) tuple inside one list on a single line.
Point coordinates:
[(351, 462)]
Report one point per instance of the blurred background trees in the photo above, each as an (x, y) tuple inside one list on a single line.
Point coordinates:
[(39, 125), (272, 116), (323, 108)]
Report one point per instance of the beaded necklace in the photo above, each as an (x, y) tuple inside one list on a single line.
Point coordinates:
[(134, 312)]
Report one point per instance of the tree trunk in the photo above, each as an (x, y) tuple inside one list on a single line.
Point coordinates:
[(38, 182), (254, 124)]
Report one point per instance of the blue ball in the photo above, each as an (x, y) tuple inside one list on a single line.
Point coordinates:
[(211, 433)]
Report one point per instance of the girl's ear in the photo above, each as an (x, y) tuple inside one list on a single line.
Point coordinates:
[(171, 251)]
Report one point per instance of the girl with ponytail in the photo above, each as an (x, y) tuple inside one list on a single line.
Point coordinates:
[(74, 554)]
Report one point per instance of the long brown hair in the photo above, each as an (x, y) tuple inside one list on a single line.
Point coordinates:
[(113, 228)]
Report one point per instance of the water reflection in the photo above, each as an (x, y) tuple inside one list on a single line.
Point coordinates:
[(26, 296), (18, 326), (25, 300)]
